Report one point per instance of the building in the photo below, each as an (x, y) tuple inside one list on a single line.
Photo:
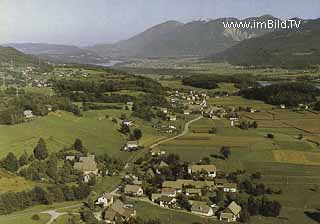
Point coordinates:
[(28, 114), (211, 170), (133, 190), (187, 112), (131, 146), (155, 197), (201, 208), (172, 117), (231, 213), (164, 110), (88, 166), (180, 184), (105, 200), (170, 192), (167, 202), (230, 187), (193, 192), (118, 212)]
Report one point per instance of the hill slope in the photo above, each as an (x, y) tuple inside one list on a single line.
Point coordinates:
[(286, 48), (59, 53), (8, 53), (175, 39)]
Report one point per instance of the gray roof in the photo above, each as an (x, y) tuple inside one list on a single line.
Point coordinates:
[(234, 208), (200, 207), (131, 188)]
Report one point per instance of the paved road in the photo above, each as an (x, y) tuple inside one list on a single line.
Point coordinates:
[(184, 132)]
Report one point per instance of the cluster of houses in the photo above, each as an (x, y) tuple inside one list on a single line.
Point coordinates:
[(167, 196)]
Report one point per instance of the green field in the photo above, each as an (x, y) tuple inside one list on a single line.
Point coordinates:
[(25, 219), (59, 129)]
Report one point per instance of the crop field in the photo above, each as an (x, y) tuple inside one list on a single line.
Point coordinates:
[(297, 157), (308, 125), (236, 101)]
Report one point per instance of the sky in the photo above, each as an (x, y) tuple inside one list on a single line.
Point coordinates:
[(87, 22)]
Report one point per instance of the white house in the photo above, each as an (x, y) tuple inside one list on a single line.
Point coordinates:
[(230, 187), (167, 202), (105, 200), (131, 146), (211, 170), (28, 113), (172, 117)]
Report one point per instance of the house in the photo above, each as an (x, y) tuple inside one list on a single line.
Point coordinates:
[(133, 190), (211, 170), (70, 158), (231, 213), (131, 146), (180, 184), (157, 152), (164, 110), (28, 113), (282, 106), (167, 202), (187, 112), (118, 212), (193, 192), (127, 123), (201, 208), (137, 182), (105, 200), (88, 166), (230, 187), (170, 192), (172, 117)]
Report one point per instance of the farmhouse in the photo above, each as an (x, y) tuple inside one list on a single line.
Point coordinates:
[(105, 200), (167, 202), (193, 192), (201, 208), (230, 187), (28, 114), (88, 166), (231, 213), (118, 212), (133, 190), (170, 192), (211, 170), (172, 117), (131, 146)]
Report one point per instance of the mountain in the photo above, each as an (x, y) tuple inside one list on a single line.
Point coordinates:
[(60, 53), (285, 48), (173, 38), (8, 54)]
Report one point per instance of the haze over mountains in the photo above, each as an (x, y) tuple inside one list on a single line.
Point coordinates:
[(210, 39), (173, 38)]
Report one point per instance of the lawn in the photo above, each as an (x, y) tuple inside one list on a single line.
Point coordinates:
[(60, 129), (148, 211), (25, 219)]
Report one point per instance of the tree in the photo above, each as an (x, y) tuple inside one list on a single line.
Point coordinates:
[(213, 130), (220, 198), (184, 201), (79, 146), (137, 134), (271, 136), (10, 162), (23, 159), (225, 151), (40, 151)]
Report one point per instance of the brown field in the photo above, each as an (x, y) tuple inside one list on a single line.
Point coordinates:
[(10, 182), (263, 115), (296, 157), (271, 124), (308, 125)]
